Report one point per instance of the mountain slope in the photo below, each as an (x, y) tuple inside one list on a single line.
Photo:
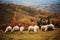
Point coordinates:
[(7, 12)]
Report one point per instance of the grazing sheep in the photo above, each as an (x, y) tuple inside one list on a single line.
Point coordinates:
[(8, 29), (30, 28), (45, 27), (33, 28), (36, 28), (21, 29), (15, 28), (51, 25)]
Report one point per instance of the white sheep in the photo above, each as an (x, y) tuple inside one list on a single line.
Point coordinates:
[(36, 28), (51, 25), (21, 29), (8, 29), (15, 28), (33, 28), (45, 27), (30, 28)]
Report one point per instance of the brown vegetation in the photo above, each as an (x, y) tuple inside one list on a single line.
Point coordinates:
[(23, 13)]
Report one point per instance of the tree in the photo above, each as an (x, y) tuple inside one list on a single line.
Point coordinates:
[(48, 19)]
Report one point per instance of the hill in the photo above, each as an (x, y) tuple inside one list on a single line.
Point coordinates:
[(7, 12)]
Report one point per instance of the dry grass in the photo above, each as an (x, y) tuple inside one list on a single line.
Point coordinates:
[(40, 35)]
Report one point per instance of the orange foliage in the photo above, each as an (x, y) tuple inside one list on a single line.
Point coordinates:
[(33, 23), (24, 20)]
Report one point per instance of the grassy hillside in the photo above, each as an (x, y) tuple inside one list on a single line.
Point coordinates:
[(7, 10)]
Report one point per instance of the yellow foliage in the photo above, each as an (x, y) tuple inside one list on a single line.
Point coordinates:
[(24, 20)]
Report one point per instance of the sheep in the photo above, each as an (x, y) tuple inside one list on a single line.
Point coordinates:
[(33, 28), (51, 25), (15, 28), (21, 29), (36, 28), (8, 29), (30, 28), (45, 27)]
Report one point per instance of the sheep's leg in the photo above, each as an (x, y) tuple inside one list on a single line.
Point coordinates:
[(46, 29), (21, 32), (41, 29), (35, 30), (12, 30), (6, 30), (29, 29), (53, 27)]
